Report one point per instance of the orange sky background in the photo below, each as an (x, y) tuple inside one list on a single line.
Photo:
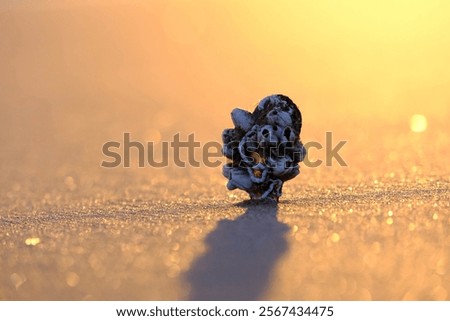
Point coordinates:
[(75, 74)]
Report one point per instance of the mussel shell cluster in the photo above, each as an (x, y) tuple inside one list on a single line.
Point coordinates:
[(264, 148)]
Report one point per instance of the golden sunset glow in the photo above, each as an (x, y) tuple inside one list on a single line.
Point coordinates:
[(378, 58), (368, 208), (368, 58)]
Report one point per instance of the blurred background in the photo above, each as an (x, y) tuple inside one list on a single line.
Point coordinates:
[(75, 74)]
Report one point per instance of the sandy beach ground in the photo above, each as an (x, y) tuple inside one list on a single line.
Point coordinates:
[(377, 229), (77, 76)]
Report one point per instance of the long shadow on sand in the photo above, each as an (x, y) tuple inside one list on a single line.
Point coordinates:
[(240, 256)]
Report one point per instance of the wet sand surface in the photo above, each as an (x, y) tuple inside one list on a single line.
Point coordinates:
[(376, 229)]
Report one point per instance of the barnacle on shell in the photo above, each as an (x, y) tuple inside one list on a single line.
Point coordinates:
[(264, 148)]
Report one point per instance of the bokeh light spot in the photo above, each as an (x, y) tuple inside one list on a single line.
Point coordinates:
[(72, 279), (335, 237), (418, 123), (32, 241)]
